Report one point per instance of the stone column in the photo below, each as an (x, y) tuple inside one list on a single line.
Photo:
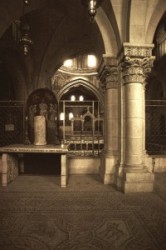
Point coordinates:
[(109, 79), (136, 62)]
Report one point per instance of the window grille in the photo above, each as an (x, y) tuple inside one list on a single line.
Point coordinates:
[(156, 127), (11, 123)]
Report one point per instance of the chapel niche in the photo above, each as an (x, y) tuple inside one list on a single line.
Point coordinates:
[(44, 103)]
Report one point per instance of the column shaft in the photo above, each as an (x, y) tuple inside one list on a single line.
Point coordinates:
[(133, 175), (111, 109), (134, 125), (108, 75)]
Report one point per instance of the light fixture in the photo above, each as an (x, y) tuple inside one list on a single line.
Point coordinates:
[(62, 116), (92, 6), (25, 39), (26, 2), (81, 98), (91, 61), (71, 116), (68, 63), (72, 98)]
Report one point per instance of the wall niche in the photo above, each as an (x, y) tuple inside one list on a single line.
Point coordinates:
[(43, 102)]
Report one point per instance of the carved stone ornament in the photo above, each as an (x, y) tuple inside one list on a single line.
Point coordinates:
[(137, 50), (148, 64), (109, 74), (136, 69), (59, 80)]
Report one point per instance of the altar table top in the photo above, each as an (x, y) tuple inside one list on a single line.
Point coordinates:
[(21, 148)]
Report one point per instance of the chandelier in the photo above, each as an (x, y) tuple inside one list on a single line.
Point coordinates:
[(92, 6), (25, 39)]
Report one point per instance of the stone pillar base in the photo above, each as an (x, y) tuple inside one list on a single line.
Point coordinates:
[(108, 168), (108, 179), (136, 182)]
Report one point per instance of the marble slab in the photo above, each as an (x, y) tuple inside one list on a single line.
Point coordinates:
[(21, 148)]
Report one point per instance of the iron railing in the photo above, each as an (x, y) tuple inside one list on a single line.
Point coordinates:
[(156, 126), (12, 129), (11, 122)]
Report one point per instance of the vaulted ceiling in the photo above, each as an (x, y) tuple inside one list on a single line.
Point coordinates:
[(61, 29)]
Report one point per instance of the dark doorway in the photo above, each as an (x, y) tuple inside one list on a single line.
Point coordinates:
[(42, 164)]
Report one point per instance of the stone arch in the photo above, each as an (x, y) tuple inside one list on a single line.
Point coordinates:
[(136, 25), (109, 37), (156, 16), (142, 29), (84, 83)]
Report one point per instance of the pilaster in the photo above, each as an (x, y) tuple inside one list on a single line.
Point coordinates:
[(108, 73), (136, 62)]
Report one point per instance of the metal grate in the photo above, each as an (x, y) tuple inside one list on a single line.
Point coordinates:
[(86, 147), (156, 126), (11, 123), (12, 116)]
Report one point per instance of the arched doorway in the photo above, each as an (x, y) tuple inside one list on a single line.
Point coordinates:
[(81, 119)]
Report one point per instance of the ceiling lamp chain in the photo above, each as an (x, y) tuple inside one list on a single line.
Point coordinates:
[(92, 6), (25, 39)]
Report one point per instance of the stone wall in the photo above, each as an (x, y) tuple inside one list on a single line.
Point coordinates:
[(157, 163)]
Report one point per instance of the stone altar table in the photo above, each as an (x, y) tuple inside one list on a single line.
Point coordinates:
[(10, 159)]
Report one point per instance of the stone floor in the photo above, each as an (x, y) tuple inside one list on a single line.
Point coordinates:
[(37, 214)]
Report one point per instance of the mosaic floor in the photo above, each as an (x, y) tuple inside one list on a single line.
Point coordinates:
[(36, 214)]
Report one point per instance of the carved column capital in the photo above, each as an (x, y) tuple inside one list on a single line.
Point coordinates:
[(132, 70), (108, 72), (136, 62), (135, 50)]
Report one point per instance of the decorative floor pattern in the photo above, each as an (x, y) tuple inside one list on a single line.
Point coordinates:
[(36, 214)]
